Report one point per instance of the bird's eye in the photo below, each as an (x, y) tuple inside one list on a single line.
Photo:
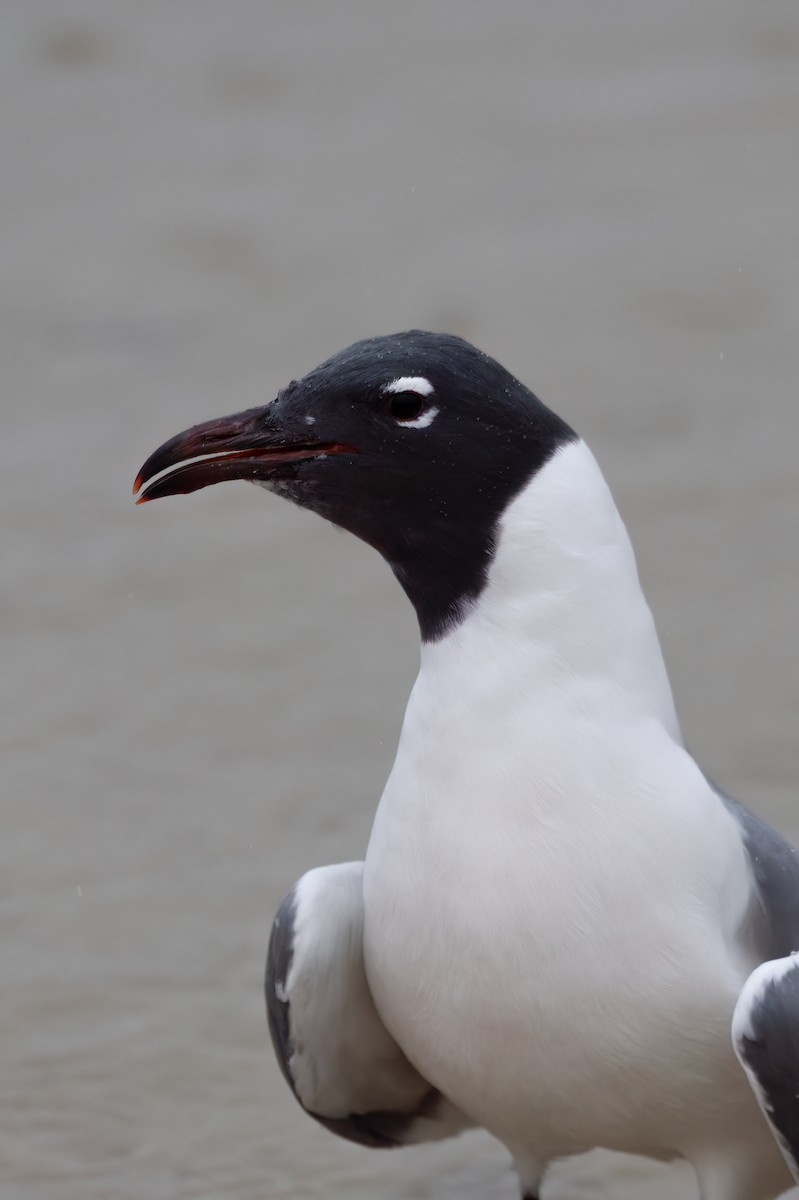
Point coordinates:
[(405, 406)]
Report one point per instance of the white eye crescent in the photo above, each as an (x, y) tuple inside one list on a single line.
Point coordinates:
[(409, 383), (423, 421)]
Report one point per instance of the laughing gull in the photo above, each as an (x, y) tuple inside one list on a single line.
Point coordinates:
[(562, 932)]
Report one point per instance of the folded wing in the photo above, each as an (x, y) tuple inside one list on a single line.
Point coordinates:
[(765, 1034), (336, 1054), (765, 1028)]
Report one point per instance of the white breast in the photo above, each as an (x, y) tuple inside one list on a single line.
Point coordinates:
[(552, 890)]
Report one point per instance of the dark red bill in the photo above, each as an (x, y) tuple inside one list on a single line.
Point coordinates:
[(244, 446)]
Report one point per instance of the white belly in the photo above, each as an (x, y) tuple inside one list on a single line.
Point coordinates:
[(561, 964)]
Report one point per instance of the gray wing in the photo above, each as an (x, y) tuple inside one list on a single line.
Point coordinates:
[(336, 1054), (775, 871), (765, 1027)]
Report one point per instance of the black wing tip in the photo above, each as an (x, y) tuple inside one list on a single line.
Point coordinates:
[(376, 1130)]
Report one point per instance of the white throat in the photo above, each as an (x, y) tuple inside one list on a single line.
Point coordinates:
[(563, 605)]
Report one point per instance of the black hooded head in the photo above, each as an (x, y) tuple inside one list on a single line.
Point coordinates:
[(415, 442)]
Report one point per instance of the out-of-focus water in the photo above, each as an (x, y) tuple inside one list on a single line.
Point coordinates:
[(201, 698)]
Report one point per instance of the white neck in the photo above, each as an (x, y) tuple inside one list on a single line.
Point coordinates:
[(563, 609)]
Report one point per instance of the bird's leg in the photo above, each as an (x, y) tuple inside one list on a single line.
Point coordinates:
[(529, 1173)]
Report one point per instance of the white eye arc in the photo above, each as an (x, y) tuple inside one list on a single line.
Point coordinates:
[(423, 421), (409, 383)]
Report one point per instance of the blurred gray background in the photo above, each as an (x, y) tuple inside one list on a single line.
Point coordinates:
[(201, 698)]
